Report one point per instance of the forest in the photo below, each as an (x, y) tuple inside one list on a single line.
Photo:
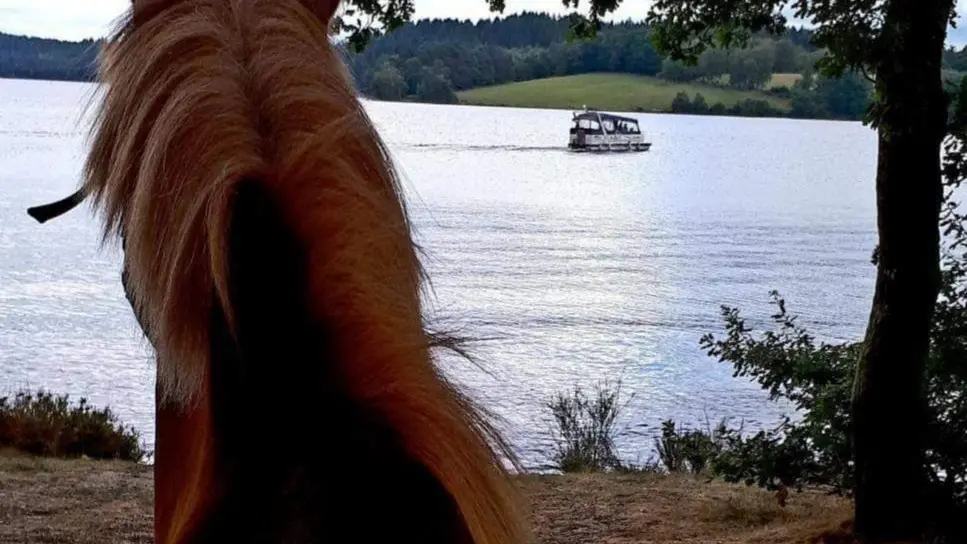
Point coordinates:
[(433, 60), (40, 58)]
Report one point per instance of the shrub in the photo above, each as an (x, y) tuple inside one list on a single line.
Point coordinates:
[(718, 108), (699, 104), (682, 103), (47, 425), (750, 107), (585, 430), (781, 91), (816, 379), (689, 450)]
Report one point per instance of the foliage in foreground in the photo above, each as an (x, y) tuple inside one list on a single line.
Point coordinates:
[(684, 450), (817, 378), (585, 430), (47, 425)]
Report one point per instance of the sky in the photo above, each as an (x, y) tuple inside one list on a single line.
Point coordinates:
[(80, 19)]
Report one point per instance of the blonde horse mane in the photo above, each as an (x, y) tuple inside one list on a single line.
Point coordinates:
[(204, 98)]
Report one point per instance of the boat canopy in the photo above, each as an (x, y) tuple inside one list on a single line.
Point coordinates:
[(591, 114), (612, 123)]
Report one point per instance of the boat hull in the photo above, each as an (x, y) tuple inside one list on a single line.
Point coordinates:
[(606, 148), (607, 142)]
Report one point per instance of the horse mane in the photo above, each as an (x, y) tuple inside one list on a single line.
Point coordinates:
[(201, 98)]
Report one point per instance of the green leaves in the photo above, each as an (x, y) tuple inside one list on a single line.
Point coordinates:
[(585, 27), (683, 29), (585, 429), (849, 30), (365, 20)]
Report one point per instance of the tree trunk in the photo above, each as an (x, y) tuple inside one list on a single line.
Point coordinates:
[(888, 397)]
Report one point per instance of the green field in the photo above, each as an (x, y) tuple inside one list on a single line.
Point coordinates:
[(616, 92)]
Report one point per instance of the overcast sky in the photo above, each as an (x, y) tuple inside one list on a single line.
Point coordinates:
[(79, 19)]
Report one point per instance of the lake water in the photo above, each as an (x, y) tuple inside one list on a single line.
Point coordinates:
[(572, 268)]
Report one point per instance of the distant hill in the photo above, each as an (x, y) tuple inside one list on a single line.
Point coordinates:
[(463, 54), (612, 92), (449, 61), (431, 61), (41, 58), (528, 60)]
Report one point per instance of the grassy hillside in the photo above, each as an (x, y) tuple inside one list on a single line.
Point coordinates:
[(616, 92)]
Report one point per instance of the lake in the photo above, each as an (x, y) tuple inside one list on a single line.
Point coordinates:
[(569, 268)]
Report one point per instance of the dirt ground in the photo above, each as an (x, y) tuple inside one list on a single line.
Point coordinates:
[(87, 502)]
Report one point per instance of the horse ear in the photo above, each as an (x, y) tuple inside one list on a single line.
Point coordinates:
[(323, 9)]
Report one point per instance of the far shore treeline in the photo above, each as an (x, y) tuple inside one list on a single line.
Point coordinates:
[(490, 62)]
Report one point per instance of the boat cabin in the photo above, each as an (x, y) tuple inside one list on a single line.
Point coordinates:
[(601, 123), (596, 131)]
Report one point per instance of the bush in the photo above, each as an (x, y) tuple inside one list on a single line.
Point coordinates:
[(699, 105), (694, 451), (718, 108), (750, 107), (816, 379), (808, 105), (781, 91), (47, 425), (586, 429), (682, 103)]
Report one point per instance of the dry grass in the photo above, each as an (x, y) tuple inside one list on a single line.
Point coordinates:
[(644, 508), (783, 80), (81, 502)]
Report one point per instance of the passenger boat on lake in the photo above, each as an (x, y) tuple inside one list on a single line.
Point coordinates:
[(592, 130)]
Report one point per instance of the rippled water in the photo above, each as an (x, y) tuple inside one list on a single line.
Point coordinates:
[(569, 268)]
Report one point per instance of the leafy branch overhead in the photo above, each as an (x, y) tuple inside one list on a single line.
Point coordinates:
[(851, 31)]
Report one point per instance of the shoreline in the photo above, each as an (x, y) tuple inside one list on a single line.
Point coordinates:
[(83, 501), (484, 104)]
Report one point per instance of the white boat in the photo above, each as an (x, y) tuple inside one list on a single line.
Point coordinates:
[(596, 131)]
